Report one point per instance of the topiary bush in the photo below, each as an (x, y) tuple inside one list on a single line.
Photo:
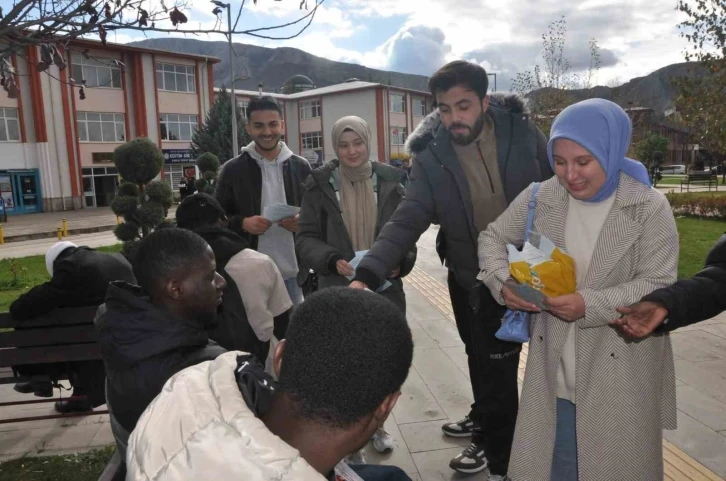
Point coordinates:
[(208, 164), (142, 202)]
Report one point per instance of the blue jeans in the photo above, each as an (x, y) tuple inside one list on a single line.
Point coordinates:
[(294, 291), (564, 458)]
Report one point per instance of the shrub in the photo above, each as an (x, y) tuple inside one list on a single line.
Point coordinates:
[(698, 205)]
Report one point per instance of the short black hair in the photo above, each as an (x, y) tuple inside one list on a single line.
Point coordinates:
[(263, 102), (346, 350), (199, 210), (460, 72), (164, 253)]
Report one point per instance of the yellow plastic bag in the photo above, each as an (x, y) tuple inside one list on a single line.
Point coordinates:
[(542, 267)]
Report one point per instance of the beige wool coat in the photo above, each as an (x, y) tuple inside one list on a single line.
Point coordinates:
[(625, 390)]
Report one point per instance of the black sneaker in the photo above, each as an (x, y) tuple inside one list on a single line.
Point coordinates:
[(460, 429), (471, 460)]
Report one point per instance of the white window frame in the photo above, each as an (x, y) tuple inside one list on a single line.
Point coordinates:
[(308, 140), (419, 108), (187, 71), (399, 139), (173, 174), (398, 100), (9, 116), (310, 109), (243, 104), (95, 64), (118, 121), (165, 120)]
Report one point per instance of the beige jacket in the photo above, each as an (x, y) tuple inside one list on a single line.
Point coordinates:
[(199, 427), (625, 390)]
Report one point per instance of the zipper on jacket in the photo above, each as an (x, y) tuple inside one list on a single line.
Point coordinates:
[(489, 176)]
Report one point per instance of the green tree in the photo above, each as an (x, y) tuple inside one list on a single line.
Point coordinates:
[(215, 134), (702, 95), (141, 201), (548, 87), (645, 150), (208, 164)]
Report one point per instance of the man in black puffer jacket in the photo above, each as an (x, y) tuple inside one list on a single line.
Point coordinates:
[(149, 333), (684, 303)]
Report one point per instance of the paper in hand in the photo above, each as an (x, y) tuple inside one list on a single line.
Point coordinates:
[(277, 212), (528, 293), (354, 264)]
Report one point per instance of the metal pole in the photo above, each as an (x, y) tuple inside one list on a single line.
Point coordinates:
[(233, 97)]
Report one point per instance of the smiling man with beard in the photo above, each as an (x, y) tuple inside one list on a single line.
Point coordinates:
[(266, 173), (472, 157)]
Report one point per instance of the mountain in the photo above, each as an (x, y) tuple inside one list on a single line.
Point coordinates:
[(654, 91), (273, 66)]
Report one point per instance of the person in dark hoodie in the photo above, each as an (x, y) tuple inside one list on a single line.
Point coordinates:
[(151, 331), (472, 157), (79, 276), (686, 302), (256, 304), (340, 369)]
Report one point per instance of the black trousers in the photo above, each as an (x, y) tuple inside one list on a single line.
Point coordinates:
[(493, 370)]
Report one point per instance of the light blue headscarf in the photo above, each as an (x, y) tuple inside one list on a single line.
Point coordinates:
[(605, 130)]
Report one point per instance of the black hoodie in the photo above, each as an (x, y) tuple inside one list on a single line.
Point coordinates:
[(142, 347)]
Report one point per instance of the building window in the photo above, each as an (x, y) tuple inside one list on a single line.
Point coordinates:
[(310, 109), (419, 107), (398, 135), (312, 140), (177, 126), (175, 78), (398, 103), (98, 73), (9, 126), (173, 174), (243, 104), (99, 127)]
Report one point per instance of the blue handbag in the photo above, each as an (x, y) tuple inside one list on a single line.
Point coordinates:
[(515, 324)]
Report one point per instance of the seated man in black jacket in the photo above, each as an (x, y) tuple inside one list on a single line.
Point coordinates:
[(150, 332), (686, 302), (256, 303), (79, 277)]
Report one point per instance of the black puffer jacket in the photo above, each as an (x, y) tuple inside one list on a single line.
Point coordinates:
[(693, 300), (438, 191), (142, 347)]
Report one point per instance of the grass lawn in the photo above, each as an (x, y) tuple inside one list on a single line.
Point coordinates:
[(35, 273), (697, 238), (676, 180), (72, 467)]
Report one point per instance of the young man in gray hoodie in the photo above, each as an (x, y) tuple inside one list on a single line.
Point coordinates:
[(265, 173)]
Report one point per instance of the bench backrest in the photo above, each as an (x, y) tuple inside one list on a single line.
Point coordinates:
[(701, 176), (63, 334)]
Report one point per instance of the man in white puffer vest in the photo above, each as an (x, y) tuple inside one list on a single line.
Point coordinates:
[(341, 368)]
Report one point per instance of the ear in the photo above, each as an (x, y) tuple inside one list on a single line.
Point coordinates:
[(247, 127), (282, 125), (485, 102), (174, 289), (277, 358), (384, 409)]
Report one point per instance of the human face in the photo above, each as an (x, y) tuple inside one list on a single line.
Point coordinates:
[(462, 113), (265, 127), (203, 287), (577, 169), (352, 151)]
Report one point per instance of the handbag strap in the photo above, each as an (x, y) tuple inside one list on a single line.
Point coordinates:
[(530, 210)]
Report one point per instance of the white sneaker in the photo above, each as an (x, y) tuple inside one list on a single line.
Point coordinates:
[(498, 477), (356, 458), (382, 441)]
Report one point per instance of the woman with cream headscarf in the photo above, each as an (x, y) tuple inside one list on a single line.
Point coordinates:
[(347, 201), (594, 402)]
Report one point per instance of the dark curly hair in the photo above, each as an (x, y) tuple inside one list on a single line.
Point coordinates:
[(460, 72), (345, 351)]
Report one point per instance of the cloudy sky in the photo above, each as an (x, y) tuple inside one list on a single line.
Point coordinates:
[(636, 37)]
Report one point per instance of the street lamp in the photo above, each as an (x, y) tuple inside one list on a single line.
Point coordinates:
[(235, 147), (495, 80)]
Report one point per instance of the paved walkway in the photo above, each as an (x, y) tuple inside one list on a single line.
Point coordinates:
[(438, 390)]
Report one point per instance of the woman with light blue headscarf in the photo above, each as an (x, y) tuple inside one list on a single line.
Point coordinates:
[(593, 404)]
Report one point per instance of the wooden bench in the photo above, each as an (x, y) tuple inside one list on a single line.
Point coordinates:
[(62, 335), (700, 178)]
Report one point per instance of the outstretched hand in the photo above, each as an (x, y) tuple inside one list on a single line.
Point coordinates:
[(639, 320)]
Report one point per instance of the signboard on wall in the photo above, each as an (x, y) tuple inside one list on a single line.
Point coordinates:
[(6, 191), (178, 156), (312, 156)]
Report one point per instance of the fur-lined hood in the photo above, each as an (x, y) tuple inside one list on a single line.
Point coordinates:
[(424, 133)]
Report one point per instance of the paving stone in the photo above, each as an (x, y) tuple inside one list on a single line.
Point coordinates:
[(706, 340), (458, 355), (702, 379), (417, 403), (701, 407), (443, 332), (718, 367), (700, 442), (400, 456), (434, 466), (421, 338), (445, 380), (429, 437), (690, 350)]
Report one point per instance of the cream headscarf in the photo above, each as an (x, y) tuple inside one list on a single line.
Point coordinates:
[(357, 198)]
